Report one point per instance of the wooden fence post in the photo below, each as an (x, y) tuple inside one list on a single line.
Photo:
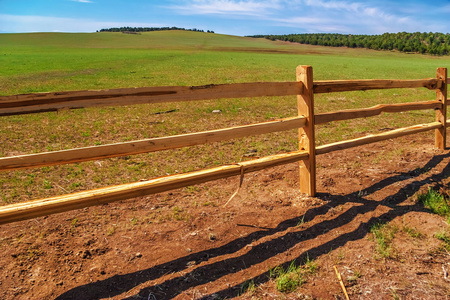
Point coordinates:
[(441, 114), (305, 104)]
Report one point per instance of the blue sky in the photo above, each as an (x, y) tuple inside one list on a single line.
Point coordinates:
[(235, 17)]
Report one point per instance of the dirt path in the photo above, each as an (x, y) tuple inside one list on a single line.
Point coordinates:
[(185, 245)]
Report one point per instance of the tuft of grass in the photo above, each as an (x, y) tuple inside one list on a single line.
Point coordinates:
[(353, 278), (412, 232), (288, 280), (47, 185), (177, 214), (248, 286), (435, 202), (384, 235), (443, 236), (301, 221), (394, 294), (192, 189), (111, 230), (134, 221), (73, 224)]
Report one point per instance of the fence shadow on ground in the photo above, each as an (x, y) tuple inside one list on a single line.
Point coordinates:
[(171, 288)]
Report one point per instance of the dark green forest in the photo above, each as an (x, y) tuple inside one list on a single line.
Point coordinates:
[(146, 29), (417, 42)]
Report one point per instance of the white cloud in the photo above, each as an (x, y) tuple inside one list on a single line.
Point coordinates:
[(314, 24), (201, 7), (344, 17), (362, 9), (333, 4), (82, 1)]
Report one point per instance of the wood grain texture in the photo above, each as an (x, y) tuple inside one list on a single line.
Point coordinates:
[(375, 110), (147, 145), (307, 142), (441, 113), (42, 207), (363, 85), (44, 102), (377, 137)]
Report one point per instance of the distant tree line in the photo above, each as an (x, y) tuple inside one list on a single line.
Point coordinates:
[(145, 29), (419, 42)]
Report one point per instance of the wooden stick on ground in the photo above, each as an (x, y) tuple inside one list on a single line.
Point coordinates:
[(341, 282), (239, 187)]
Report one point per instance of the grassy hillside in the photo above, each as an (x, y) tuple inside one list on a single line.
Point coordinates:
[(42, 62), (174, 39)]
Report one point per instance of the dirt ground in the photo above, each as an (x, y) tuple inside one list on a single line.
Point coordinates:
[(184, 244)]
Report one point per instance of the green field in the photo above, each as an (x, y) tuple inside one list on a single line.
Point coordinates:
[(42, 62)]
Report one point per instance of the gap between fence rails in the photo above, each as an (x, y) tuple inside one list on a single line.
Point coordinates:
[(146, 145)]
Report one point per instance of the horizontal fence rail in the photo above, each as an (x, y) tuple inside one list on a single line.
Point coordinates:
[(374, 111), (304, 88), (364, 85), (43, 207), (147, 145), (45, 102)]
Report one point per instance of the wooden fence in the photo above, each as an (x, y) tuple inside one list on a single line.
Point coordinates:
[(305, 88)]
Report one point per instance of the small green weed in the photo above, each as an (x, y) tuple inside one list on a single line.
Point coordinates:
[(394, 294), (192, 188), (443, 236), (76, 185), (412, 232), (111, 230), (339, 257), (310, 266), (178, 214), (47, 185), (33, 253), (288, 280), (4, 199), (361, 194), (134, 221), (30, 179), (247, 286), (384, 234), (354, 277), (73, 224), (294, 276), (301, 221), (435, 202)]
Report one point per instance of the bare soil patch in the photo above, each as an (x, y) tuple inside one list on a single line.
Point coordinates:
[(183, 244)]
